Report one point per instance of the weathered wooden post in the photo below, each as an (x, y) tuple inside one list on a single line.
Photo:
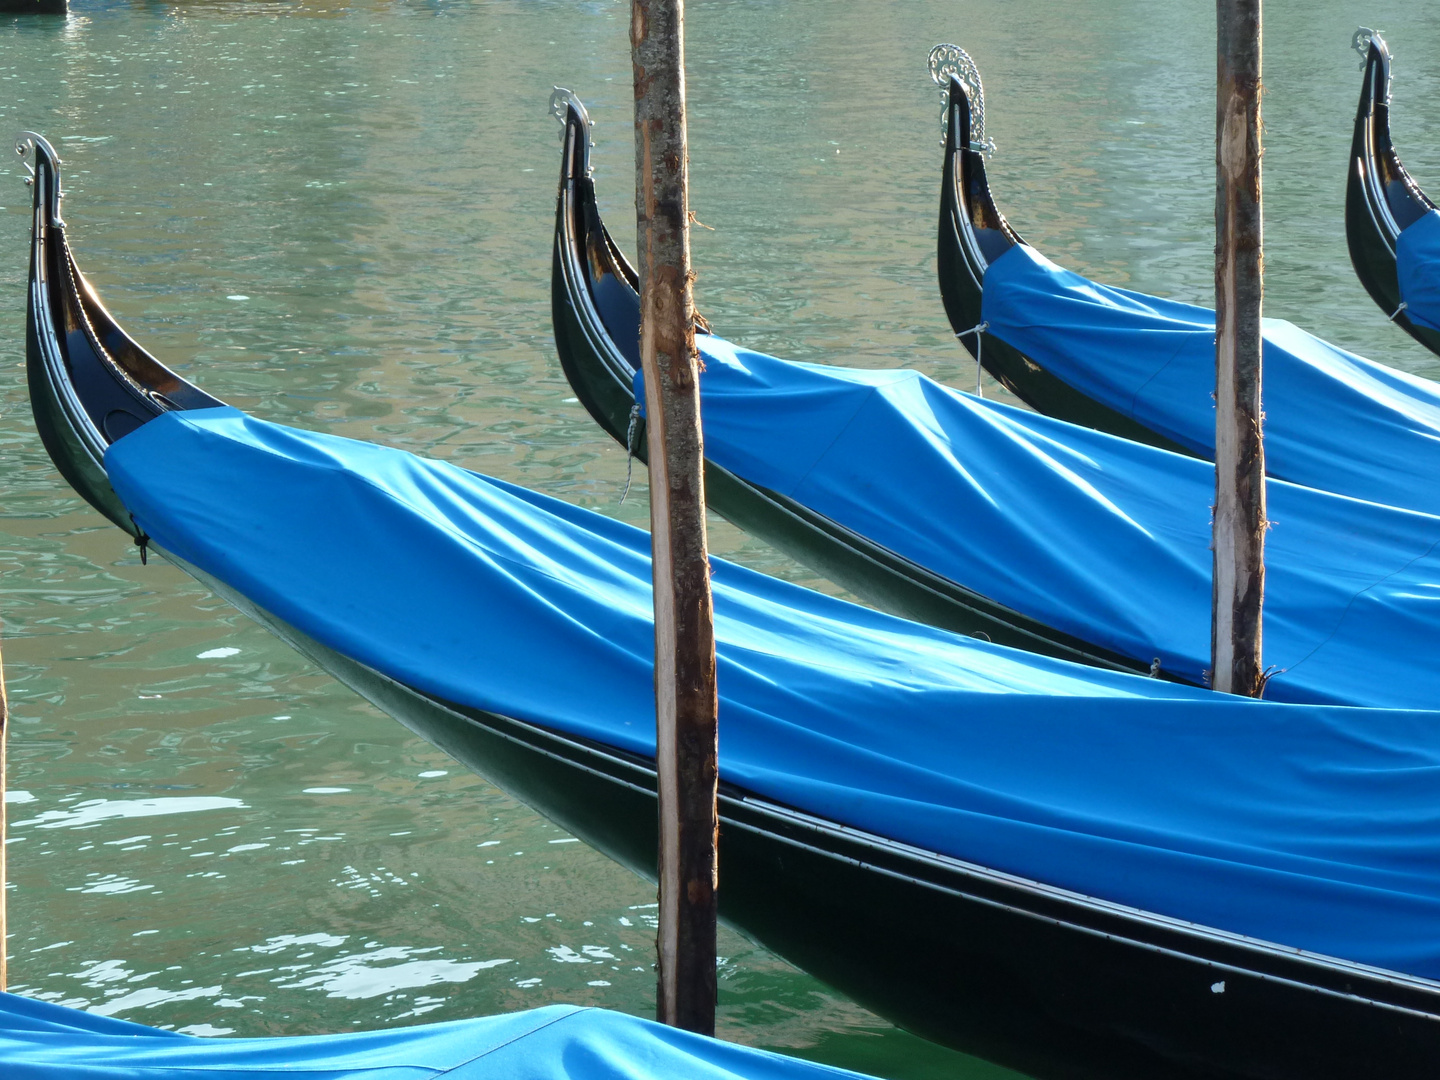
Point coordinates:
[(685, 696), (1239, 582)]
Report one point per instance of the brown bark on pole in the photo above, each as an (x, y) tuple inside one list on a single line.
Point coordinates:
[(685, 696), (1239, 581)]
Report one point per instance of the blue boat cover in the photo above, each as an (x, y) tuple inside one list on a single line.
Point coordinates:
[(1102, 538), (1311, 826), (39, 1041), (1333, 420), (1417, 264)]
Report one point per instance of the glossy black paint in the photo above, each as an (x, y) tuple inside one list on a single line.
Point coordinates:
[(973, 233), (596, 307), (89, 382), (1381, 199), (1058, 984)]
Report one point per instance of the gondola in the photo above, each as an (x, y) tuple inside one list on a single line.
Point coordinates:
[(883, 480), (973, 234), (1382, 201), (857, 717), (43, 1041), (1143, 367), (596, 316)]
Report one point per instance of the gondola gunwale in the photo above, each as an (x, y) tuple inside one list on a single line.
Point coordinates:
[(762, 839), (860, 851), (602, 377), (1381, 197), (971, 223)]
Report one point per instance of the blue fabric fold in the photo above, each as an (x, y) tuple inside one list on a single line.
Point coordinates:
[(1099, 537), (40, 1041), (1333, 420), (1310, 826), (1417, 265)]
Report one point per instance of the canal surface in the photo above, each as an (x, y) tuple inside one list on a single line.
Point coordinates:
[(339, 217)]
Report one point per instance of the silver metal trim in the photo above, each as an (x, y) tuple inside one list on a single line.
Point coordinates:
[(951, 61)]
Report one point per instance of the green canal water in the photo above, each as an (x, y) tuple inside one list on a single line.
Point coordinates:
[(338, 216)]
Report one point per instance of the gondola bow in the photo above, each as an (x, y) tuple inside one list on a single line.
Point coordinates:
[(1143, 367)]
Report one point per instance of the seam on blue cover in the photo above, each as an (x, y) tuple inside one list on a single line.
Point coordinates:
[(1153, 376), (1351, 603), (823, 454), (575, 1011)]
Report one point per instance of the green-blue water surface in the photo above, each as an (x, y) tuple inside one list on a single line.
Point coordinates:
[(338, 216)]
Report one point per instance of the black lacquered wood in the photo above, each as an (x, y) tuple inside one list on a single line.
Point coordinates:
[(973, 233), (1058, 984), (1381, 198)]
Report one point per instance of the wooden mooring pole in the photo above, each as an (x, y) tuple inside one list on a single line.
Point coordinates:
[(685, 697), (1239, 581)]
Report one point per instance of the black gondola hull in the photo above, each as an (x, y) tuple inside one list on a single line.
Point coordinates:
[(1033, 978), (1381, 199), (593, 290), (1052, 982), (972, 234)]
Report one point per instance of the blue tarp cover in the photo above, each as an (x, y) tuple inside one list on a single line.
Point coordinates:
[(1102, 538), (1417, 264), (1333, 420), (39, 1041), (1311, 826)]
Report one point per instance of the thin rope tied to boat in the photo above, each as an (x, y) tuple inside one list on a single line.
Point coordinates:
[(948, 60), (979, 332), (630, 448), (1396, 314), (142, 541)]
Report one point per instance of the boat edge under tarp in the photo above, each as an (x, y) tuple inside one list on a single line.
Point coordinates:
[(1048, 981)]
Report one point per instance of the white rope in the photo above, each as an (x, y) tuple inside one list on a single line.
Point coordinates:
[(1402, 307), (979, 332), (630, 449)]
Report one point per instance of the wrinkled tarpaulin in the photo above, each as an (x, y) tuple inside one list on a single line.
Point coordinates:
[(1310, 826), (1099, 537), (1333, 420), (1417, 265), (39, 1041)]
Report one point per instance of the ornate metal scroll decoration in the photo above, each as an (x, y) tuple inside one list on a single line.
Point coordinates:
[(561, 102), (1360, 42), (948, 60)]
